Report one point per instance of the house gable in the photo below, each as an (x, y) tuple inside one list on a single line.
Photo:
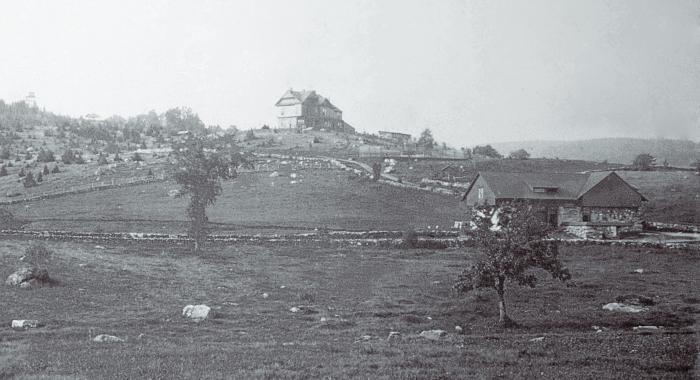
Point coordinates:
[(611, 191), (479, 193)]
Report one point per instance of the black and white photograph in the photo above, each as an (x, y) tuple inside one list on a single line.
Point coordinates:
[(356, 189)]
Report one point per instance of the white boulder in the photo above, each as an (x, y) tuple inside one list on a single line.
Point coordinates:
[(22, 324), (196, 313), (433, 334), (104, 338)]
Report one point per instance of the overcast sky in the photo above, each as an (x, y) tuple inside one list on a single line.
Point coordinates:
[(472, 71)]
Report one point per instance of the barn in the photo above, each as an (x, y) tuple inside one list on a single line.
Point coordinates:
[(589, 205)]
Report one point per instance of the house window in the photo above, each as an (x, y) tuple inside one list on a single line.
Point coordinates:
[(481, 193)]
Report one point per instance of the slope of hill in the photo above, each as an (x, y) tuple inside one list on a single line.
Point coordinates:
[(618, 150)]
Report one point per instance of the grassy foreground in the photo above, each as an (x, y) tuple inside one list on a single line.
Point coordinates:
[(138, 294)]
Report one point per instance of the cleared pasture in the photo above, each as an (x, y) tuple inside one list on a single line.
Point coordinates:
[(138, 293), (255, 201)]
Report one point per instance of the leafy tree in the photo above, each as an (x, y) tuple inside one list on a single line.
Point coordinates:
[(520, 154), (199, 166), (183, 119), (29, 180), (486, 151), (426, 139), (55, 169), (643, 161), (511, 241)]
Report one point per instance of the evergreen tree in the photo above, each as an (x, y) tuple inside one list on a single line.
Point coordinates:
[(29, 180), (3, 171), (46, 170), (55, 169)]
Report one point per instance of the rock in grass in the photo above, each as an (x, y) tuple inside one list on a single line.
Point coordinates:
[(23, 324), (104, 338), (393, 335), (646, 329), (28, 276), (433, 334), (614, 306), (196, 313)]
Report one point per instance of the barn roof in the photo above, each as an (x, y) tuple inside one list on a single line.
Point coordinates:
[(541, 186)]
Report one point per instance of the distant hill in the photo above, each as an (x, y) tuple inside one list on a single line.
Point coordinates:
[(614, 150)]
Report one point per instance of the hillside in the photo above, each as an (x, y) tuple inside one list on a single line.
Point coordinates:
[(617, 150)]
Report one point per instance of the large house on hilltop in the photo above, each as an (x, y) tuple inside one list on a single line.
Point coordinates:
[(597, 204), (307, 109)]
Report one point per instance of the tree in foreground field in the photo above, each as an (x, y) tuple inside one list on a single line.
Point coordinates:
[(199, 167), (512, 241)]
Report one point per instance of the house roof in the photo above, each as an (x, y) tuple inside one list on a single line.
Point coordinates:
[(292, 97), (569, 186)]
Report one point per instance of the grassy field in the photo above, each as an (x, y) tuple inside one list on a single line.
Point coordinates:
[(319, 199), (138, 293)]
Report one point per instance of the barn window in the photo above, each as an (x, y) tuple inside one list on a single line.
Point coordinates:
[(586, 215), (481, 193)]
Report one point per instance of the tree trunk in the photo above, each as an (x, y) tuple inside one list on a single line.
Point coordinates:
[(503, 318)]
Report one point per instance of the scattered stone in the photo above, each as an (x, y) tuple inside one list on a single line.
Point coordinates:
[(646, 329), (323, 319), (282, 287), (433, 334), (366, 337), (294, 309), (274, 174), (28, 276), (393, 335), (265, 295), (614, 306), (174, 193), (104, 338), (459, 329), (640, 271), (23, 324), (99, 247), (538, 339), (196, 313), (293, 175)]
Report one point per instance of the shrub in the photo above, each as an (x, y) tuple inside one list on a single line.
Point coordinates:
[(21, 173), (8, 221), (3, 171), (67, 157), (45, 156), (40, 177), (79, 159), (5, 153), (38, 254), (117, 158), (249, 135), (29, 180), (136, 157), (102, 160)]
